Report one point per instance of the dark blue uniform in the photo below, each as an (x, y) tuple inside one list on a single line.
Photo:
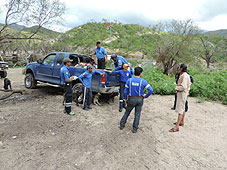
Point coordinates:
[(86, 79), (124, 76), (67, 88), (119, 63), (134, 93)]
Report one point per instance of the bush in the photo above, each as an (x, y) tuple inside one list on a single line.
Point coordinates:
[(210, 85)]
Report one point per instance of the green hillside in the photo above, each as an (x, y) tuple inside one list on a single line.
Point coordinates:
[(222, 32), (43, 32), (128, 38)]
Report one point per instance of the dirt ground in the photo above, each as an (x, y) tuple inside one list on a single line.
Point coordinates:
[(35, 134)]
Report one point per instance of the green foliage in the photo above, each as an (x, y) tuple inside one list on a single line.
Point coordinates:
[(209, 85)]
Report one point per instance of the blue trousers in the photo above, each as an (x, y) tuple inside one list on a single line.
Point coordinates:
[(87, 97), (133, 102), (68, 97)]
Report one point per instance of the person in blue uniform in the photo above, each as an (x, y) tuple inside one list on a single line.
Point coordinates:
[(67, 79), (134, 96), (101, 56), (86, 79), (119, 61), (124, 76)]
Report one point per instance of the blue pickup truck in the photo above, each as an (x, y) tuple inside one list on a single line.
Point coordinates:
[(48, 69)]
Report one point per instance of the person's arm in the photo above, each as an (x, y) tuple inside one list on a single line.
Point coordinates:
[(191, 78), (81, 76), (105, 53), (92, 54), (126, 91), (183, 85), (96, 71), (119, 65), (149, 88), (68, 79)]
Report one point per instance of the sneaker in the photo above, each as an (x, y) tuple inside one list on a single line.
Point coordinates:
[(122, 127), (120, 109), (86, 109), (173, 108), (71, 113), (64, 111), (89, 108), (134, 130)]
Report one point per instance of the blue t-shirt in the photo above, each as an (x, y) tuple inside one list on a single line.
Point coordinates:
[(119, 63), (123, 75), (100, 52), (64, 73), (86, 78), (135, 87)]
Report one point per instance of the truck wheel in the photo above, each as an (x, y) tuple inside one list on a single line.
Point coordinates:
[(78, 93), (29, 81)]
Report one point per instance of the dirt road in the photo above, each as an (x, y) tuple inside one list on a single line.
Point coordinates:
[(36, 135)]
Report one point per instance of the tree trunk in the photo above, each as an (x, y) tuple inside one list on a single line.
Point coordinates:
[(166, 71), (208, 64)]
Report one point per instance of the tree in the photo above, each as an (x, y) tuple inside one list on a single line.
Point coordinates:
[(208, 51), (173, 40), (29, 12)]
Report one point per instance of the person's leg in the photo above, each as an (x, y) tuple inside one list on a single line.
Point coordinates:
[(89, 98), (186, 109), (85, 97), (99, 63), (68, 98), (130, 106), (175, 101), (121, 103), (103, 65), (138, 109)]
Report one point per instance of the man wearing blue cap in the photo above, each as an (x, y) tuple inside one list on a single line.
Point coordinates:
[(86, 79), (119, 61), (134, 96), (101, 56), (67, 79)]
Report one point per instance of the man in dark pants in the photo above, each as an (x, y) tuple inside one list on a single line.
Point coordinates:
[(67, 79), (86, 79), (124, 76), (134, 96), (101, 56)]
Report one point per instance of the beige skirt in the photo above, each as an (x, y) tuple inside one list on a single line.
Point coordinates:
[(181, 100)]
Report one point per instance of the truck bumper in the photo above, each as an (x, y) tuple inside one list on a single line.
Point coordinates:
[(108, 90)]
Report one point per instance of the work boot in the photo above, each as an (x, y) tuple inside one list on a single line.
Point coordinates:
[(134, 130), (122, 127)]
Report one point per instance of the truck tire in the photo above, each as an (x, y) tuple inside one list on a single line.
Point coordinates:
[(78, 93), (29, 81)]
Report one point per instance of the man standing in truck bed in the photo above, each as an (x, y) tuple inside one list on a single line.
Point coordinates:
[(101, 56)]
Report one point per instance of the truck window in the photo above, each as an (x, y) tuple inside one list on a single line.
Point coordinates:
[(75, 59), (60, 59), (49, 59)]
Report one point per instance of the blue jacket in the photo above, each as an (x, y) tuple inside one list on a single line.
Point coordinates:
[(119, 63), (123, 75), (135, 87), (100, 52), (86, 78), (64, 73)]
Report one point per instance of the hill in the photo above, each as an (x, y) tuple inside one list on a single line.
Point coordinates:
[(15, 26), (43, 32), (222, 32), (126, 38)]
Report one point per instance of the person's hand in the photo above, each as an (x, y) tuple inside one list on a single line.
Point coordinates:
[(144, 96), (126, 101), (90, 55), (83, 84), (106, 60), (101, 74)]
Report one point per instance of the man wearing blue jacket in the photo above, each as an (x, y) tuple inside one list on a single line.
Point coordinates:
[(134, 96), (119, 61), (124, 76), (85, 79)]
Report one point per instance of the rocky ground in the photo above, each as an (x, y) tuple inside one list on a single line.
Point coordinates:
[(35, 134)]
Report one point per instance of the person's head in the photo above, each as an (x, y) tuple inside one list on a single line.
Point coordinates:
[(67, 62), (125, 66), (183, 68), (89, 68), (178, 69), (98, 44), (114, 57), (138, 71)]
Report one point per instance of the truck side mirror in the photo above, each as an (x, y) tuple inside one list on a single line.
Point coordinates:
[(40, 61)]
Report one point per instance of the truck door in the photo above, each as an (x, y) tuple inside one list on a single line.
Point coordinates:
[(57, 68), (45, 69)]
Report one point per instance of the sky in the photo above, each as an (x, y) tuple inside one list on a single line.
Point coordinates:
[(207, 14)]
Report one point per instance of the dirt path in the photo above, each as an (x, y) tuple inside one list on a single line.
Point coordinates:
[(36, 135)]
